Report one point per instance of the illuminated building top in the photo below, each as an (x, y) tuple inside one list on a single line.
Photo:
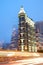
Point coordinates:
[(28, 20), (22, 10)]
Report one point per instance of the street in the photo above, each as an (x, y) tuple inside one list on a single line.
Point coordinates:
[(20, 58), (34, 61)]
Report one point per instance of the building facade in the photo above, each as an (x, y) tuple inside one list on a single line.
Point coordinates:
[(39, 34), (26, 35), (14, 39)]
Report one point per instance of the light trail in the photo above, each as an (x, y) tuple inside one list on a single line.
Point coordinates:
[(30, 61)]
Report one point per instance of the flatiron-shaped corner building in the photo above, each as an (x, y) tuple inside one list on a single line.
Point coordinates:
[(26, 35)]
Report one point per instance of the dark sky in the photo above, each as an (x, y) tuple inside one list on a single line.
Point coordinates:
[(9, 15)]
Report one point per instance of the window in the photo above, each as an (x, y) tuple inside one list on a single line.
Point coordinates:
[(22, 18)]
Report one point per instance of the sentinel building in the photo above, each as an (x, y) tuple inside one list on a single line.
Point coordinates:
[(26, 35)]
